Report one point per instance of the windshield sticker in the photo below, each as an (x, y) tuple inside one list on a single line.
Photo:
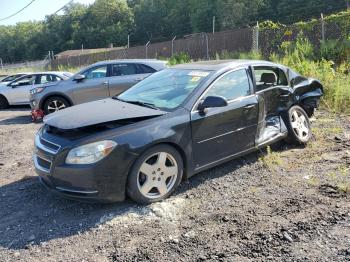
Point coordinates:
[(195, 78), (198, 73)]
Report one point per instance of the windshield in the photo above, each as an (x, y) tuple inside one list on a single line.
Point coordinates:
[(166, 89)]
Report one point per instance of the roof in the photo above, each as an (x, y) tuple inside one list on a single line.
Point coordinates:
[(215, 65), (78, 52), (131, 61)]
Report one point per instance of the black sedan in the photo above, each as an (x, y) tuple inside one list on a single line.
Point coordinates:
[(174, 124)]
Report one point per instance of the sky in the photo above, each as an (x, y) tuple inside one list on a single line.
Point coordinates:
[(36, 11)]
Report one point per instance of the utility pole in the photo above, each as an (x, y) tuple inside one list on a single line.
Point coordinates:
[(213, 24)]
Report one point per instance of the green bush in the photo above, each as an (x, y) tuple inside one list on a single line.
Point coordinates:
[(179, 58), (336, 50)]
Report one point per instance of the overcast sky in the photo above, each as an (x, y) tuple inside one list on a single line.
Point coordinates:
[(36, 11)]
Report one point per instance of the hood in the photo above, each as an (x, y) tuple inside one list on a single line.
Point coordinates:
[(97, 112)]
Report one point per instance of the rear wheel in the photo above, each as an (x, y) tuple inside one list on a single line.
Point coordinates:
[(155, 175), (54, 104), (298, 125), (3, 102)]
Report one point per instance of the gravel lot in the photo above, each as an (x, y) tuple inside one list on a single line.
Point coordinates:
[(291, 204)]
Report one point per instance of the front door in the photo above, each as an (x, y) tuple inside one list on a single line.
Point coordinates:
[(19, 90), (93, 87), (226, 131)]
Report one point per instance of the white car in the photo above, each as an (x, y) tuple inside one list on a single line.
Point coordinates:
[(17, 92), (11, 78)]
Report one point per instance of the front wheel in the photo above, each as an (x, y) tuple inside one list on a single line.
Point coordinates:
[(54, 104), (155, 175), (3, 103), (298, 124)]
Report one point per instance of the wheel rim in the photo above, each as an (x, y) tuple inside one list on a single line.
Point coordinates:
[(157, 175), (55, 105), (300, 125)]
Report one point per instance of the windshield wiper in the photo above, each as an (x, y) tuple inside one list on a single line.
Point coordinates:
[(139, 103)]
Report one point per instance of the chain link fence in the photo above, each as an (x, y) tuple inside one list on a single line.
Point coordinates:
[(207, 45)]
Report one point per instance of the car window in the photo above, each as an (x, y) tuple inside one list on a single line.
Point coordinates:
[(166, 89), (26, 80), (11, 78), (268, 77), (144, 69), (43, 79), (123, 69), (231, 86), (96, 72)]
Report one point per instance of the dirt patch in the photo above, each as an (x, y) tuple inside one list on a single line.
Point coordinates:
[(287, 204)]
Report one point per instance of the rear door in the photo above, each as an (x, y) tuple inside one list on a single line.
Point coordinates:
[(272, 86), (223, 132), (125, 75), (93, 87)]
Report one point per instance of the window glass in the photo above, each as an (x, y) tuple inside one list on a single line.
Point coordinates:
[(166, 89), (96, 72), (269, 76), (43, 79), (11, 78), (123, 69), (231, 86), (26, 80), (144, 69)]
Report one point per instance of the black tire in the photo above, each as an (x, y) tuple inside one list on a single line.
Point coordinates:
[(135, 176), (61, 103), (298, 125), (3, 102)]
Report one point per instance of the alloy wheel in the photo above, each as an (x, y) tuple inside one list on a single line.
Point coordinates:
[(300, 125), (157, 175), (55, 105)]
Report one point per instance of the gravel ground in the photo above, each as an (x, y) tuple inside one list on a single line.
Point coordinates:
[(284, 204)]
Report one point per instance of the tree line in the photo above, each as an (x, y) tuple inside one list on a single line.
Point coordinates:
[(111, 21)]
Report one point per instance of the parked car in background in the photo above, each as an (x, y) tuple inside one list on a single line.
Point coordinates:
[(100, 80), (174, 124), (17, 91), (11, 78)]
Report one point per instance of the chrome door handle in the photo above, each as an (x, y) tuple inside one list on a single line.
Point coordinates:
[(138, 79), (249, 106), (284, 95), (105, 83)]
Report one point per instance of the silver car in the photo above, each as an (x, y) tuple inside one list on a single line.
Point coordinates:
[(100, 80), (17, 91), (8, 79)]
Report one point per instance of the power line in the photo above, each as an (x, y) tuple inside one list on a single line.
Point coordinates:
[(63, 7), (2, 19)]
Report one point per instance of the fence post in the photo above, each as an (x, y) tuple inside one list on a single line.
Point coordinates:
[(2, 66), (207, 44), (172, 46), (323, 28), (147, 48), (255, 46)]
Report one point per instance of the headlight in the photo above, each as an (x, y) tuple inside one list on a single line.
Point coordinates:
[(37, 90), (90, 153)]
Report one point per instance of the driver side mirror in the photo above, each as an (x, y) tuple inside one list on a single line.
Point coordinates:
[(212, 101), (79, 78)]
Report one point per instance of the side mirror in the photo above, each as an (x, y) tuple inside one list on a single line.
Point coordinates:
[(212, 101), (79, 78)]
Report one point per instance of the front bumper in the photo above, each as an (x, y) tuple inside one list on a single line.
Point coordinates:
[(103, 181)]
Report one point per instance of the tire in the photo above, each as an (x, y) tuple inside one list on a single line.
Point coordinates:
[(3, 102), (54, 104), (147, 187), (298, 125)]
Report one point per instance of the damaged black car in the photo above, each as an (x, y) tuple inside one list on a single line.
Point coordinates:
[(174, 124)]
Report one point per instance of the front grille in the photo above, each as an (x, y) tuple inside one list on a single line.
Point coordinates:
[(49, 145), (42, 164)]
